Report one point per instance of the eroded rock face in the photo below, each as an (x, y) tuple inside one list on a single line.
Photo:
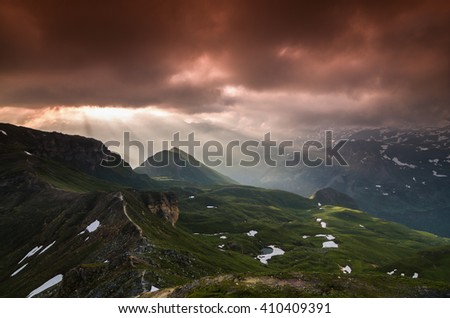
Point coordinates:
[(164, 205)]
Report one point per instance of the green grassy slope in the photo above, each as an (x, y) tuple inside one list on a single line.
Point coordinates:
[(365, 243)]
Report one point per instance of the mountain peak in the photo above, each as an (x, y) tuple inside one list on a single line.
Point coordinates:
[(177, 150), (177, 165)]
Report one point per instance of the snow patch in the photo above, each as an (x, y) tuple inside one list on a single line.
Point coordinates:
[(319, 204), (329, 237), (50, 283), (415, 275), (378, 186), (154, 289), (211, 207), (402, 164), (31, 253), (408, 186), (252, 233), (3, 132), (392, 273), (422, 148), (223, 237), (91, 227), (17, 271), (47, 247), (27, 153), (305, 236), (221, 246), (207, 234), (385, 193), (439, 175), (434, 161), (329, 244), (362, 226), (191, 197), (346, 270), (274, 251), (322, 224)]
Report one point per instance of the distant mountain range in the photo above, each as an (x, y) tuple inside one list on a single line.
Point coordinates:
[(70, 227), (399, 175)]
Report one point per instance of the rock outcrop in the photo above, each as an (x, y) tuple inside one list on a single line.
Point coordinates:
[(163, 204)]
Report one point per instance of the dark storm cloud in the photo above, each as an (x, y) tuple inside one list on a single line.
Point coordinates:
[(100, 52), (181, 54)]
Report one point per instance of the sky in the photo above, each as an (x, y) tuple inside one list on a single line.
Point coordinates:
[(223, 68)]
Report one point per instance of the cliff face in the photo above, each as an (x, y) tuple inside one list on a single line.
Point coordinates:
[(163, 204)]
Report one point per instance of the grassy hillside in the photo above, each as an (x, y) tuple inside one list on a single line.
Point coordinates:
[(365, 243)]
